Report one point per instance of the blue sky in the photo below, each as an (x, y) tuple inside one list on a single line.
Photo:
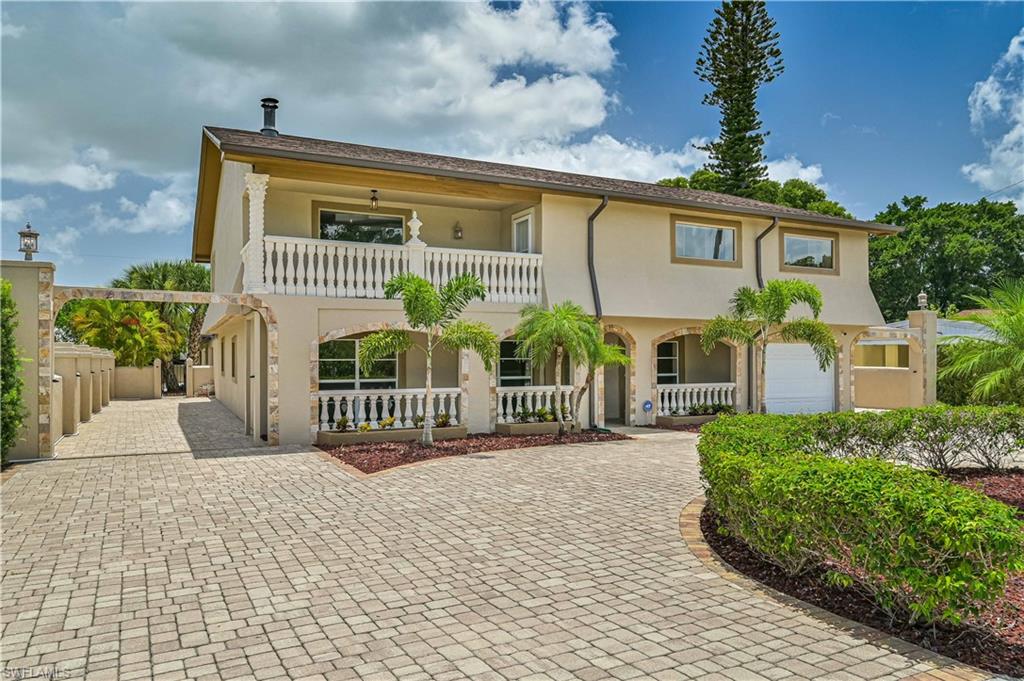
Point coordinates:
[(100, 145)]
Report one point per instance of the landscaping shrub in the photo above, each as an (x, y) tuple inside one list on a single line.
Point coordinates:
[(12, 404), (917, 543)]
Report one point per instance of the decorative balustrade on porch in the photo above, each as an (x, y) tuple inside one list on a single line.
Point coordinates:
[(679, 397), (290, 265), (372, 406), (515, 400)]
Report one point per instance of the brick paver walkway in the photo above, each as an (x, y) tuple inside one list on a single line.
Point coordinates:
[(549, 563), (172, 424)]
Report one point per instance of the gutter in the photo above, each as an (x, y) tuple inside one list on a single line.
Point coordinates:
[(595, 291), (760, 285), (590, 257)]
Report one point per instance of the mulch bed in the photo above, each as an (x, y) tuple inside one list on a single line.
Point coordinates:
[(684, 428), (1007, 486), (1001, 652), (379, 456)]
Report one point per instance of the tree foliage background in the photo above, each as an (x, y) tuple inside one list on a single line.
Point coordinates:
[(740, 53), (951, 251)]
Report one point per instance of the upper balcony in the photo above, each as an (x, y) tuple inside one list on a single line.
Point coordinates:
[(362, 245)]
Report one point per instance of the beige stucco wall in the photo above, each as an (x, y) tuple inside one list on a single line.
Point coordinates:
[(229, 389), (886, 388), (226, 265), (202, 374), (24, 278), (136, 383), (637, 277), (56, 409), (889, 355)]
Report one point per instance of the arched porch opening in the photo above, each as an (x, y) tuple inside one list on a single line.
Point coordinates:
[(345, 397), (615, 386), (684, 377)]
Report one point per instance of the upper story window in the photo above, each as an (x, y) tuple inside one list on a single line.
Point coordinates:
[(805, 250), (340, 370), (339, 222), (512, 369), (522, 232), (701, 241)]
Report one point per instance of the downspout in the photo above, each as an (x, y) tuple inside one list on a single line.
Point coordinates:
[(760, 285), (595, 291)]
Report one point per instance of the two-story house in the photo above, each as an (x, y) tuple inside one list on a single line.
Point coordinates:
[(313, 228)]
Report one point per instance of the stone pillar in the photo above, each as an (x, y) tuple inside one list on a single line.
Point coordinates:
[(927, 322), (253, 275), (96, 367), (416, 247), (157, 383), (72, 403), (190, 379)]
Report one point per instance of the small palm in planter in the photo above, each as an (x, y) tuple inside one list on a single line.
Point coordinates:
[(435, 314), (759, 317)]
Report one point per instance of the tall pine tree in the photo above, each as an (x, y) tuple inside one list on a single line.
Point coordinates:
[(740, 53)]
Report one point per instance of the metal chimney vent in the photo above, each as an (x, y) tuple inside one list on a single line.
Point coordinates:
[(269, 105)]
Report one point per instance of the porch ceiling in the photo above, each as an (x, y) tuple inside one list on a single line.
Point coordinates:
[(358, 194)]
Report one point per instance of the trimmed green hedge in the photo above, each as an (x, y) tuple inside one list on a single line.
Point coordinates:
[(917, 543)]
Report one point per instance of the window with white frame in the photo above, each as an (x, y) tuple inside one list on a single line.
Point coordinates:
[(668, 362), (339, 368), (522, 232), (512, 369)]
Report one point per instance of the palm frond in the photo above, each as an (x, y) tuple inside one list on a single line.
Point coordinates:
[(475, 336), (565, 325), (815, 333), (420, 299), (745, 303), (381, 344), (460, 292), (733, 329)]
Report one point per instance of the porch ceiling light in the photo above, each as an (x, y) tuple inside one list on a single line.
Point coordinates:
[(29, 239), (374, 202)]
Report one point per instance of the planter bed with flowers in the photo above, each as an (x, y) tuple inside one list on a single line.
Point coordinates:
[(697, 415)]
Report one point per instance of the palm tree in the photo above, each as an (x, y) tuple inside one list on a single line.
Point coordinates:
[(565, 329), (185, 318), (133, 331), (598, 354), (435, 314), (759, 317), (995, 365)]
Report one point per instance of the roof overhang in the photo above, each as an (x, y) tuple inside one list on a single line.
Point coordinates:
[(215, 151)]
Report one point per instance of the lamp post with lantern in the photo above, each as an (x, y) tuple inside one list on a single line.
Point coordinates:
[(28, 239)]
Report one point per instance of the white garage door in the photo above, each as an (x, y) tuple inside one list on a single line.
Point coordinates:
[(795, 383)]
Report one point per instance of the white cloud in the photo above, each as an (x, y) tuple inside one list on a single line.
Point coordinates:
[(81, 171), (829, 116), (8, 29), (165, 210), (998, 101), (21, 208), (607, 156), (791, 167), (62, 244)]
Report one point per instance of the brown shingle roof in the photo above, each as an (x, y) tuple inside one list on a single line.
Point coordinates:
[(344, 153)]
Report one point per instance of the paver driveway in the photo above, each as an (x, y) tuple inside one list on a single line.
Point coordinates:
[(548, 563), (173, 424)]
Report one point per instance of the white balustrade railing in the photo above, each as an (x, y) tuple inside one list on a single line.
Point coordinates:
[(513, 401), (342, 269), (508, 277), (336, 269), (406, 405), (677, 398)]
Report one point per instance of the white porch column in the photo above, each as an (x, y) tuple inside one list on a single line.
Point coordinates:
[(253, 279), (417, 248)]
